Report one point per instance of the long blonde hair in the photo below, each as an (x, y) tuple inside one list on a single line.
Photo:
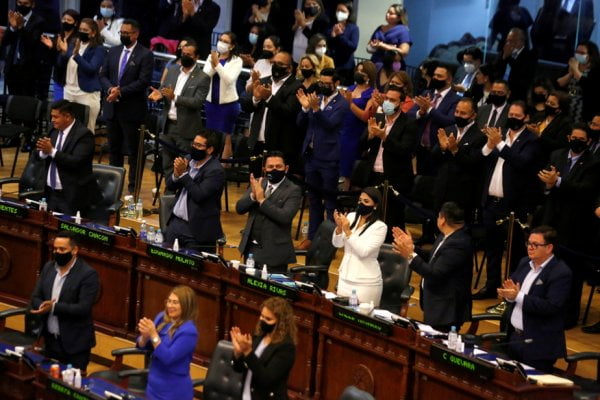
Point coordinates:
[(189, 309)]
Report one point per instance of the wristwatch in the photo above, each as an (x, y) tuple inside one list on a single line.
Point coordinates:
[(155, 339), (411, 257)]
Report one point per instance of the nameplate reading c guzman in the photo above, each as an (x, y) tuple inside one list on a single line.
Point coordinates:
[(362, 321), (168, 255), (87, 233), (12, 210), (461, 362), (66, 391), (268, 287)]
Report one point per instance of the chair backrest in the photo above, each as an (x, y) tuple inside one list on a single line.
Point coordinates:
[(222, 382), (33, 325), (33, 177), (110, 181), (81, 111), (354, 393), (167, 202), (23, 110), (396, 277), (321, 250)]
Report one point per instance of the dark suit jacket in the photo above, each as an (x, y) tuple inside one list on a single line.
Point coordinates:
[(440, 117), (134, 83), (189, 103), (201, 25), (270, 371), (459, 175), (203, 200), (27, 39), (324, 127), (398, 149), (275, 217), (554, 137), (522, 71), (446, 296), (483, 115), (543, 309), (88, 66), (74, 306), (74, 165)]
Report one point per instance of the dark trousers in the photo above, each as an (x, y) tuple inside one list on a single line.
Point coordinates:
[(123, 138), (57, 202), (424, 163), (180, 229), (519, 350), (168, 155), (53, 348), (321, 178)]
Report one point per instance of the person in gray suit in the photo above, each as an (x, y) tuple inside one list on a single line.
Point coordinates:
[(271, 204), (183, 91)]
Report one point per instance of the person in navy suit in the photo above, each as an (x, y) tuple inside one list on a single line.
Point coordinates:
[(323, 115), (198, 183), (434, 109), (172, 337), (64, 295), (537, 292), (125, 77)]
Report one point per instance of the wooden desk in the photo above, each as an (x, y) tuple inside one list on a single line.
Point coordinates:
[(16, 380)]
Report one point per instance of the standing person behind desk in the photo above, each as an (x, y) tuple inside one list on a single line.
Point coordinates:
[(172, 336), (537, 292), (361, 240), (69, 153), (393, 36), (447, 273), (125, 76), (64, 294), (198, 183), (267, 357)]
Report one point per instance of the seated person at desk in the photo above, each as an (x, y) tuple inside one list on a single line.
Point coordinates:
[(173, 337), (69, 153), (267, 357), (64, 294), (198, 183), (271, 205), (447, 273), (361, 240), (537, 293)]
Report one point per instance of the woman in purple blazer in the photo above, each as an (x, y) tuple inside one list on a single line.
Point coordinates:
[(173, 337)]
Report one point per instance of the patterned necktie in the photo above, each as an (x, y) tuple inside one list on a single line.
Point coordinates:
[(426, 138), (269, 191), (123, 63), (53, 164)]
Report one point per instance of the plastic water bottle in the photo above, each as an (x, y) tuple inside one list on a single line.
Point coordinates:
[(305, 230), (77, 380), (143, 230), (78, 218), (353, 301), (43, 204), (176, 245), (264, 274), (130, 206), (452, 337), (250, 261), (151, 236), (139, 209), (158, 238)]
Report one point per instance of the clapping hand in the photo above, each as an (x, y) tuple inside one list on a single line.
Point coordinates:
[(15, 19), (261, 91), (347, 95), (509, 290), (44, 308), (113, 94), (168, 92), (214, 59), (155, 95), (424, 103), (403, 242), (187, 8), (180, 165), (549, 176), (46, 41), (44, 145), (147, 328), (452, 143), (300, 19), (61, 44), (257, 189), (377, 97), (242, 343), (341, 222), (494, 136), (338, 29), (375, 129), (442, 139)]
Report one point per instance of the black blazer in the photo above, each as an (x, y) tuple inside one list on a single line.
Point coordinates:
[(522, 71), (74, 306), (203, 200), (554, 137), (483, 115), (446, 297), (270, 371), (134, 83), (440, 117), (28, 41), (201, 25)]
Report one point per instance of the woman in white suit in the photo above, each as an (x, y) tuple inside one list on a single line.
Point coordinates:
[(361, 233)]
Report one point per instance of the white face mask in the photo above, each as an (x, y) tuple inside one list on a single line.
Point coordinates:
[(469, 68), (341, 16), (320, 51), (222, 47)]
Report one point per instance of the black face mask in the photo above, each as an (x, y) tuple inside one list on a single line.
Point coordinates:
[(198, 154), (311, 11), (267, 54), (496, 99), (266, 328), (577, 146), (84, 37), (23, 10), (187, 61), (514, 123), (437, 84), (538, 98), (594, 134), (307, 73), (359, 78), (275, 176), (67, 27), (126, 41), (362, 209), (62, 259), (551, 111), (325, 90), (461, 122), (278, 72)]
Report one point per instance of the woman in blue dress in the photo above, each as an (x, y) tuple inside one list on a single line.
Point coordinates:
[(355, 122), (392, 36), (222, 106), (173, 337)]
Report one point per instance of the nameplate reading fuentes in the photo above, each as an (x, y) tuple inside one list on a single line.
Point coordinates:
[(87, 233), (12, 210), (67, 392), (269, 287), (460, 362), (176, 257), (362, 321)]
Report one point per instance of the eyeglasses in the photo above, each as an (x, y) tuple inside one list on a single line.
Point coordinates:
[(171, 302), (535, 245)]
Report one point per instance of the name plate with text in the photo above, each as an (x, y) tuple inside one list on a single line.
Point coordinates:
[(461, 362), (87, 233), (269, 287), (67, 392), (362, 321), (12, 209), (184, 260)]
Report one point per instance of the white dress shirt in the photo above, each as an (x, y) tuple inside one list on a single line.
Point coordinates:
[(182, 79), (496, 187), (53, 154)]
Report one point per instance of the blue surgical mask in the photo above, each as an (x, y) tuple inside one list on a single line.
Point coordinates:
[(389, 108), (581, 58), (252, 38), (107, 12)]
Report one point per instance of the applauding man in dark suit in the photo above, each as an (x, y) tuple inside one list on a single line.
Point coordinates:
[(64, 295), (272, 204)]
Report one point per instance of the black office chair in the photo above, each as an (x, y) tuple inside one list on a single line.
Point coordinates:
[(589, 388), (32, 180), (32, 331), (23, 113), (421, 196), (354, 393), (166, 204), (110, 181), (318, 256), (396, 276), (221, 381), (137, 379)]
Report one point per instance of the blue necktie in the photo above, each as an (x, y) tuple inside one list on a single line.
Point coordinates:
[(123, 63), (53, 164)]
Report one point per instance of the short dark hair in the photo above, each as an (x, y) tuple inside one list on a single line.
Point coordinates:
[(274, 153), (450, 69), (549, 233), (192, 43), (521, 104), (501, 82), (134, 24), (453, 214), (211, 139), (331, 72), (73, 240), (73, 14), (471, 102), (474, 52), (581, 126), (63, 106), (488, 70)]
